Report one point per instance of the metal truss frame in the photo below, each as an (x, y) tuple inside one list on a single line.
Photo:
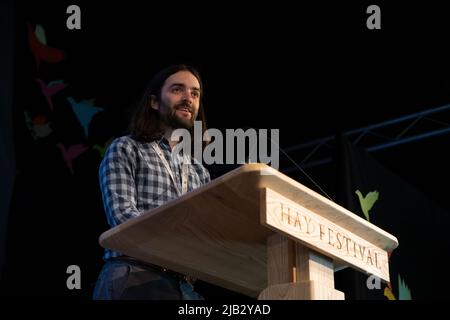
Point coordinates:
[(410, 128)]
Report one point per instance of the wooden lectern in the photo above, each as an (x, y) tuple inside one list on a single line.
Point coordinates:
[(257, 232)]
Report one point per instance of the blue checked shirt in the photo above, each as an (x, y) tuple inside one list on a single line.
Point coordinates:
[(133, 179)]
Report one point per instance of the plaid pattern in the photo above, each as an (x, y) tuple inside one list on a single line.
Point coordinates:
[(133, 179)]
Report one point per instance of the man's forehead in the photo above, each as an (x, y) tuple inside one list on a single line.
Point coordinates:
[(183, 77)]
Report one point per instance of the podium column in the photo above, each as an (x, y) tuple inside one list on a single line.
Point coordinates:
[(295, 272)]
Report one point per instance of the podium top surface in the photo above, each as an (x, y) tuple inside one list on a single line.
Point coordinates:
[(214, 233)]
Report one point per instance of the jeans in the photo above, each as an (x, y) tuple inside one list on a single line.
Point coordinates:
[(125, 280)]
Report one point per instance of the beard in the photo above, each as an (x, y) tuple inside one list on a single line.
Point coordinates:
[(176, 121)]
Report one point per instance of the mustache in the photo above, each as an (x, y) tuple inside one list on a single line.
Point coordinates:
[(184, 105)]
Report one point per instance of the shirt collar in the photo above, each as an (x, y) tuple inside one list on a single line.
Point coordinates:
[(163, 143)]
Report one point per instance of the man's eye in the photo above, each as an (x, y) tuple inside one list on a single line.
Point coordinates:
[(195, 94), (176, 90)]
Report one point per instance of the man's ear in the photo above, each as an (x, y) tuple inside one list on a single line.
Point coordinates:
[(154, 103)]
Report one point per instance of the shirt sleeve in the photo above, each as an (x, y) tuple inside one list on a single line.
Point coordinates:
[(117, 182), (206, 177)]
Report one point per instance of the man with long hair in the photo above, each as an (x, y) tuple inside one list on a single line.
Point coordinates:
[(142, 171)]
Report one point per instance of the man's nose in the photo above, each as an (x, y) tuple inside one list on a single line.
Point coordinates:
[(187, 97)]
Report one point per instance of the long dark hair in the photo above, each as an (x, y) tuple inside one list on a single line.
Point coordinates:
[(145, 124)]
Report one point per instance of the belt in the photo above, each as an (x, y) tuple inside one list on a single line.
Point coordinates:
[(154, 267)]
